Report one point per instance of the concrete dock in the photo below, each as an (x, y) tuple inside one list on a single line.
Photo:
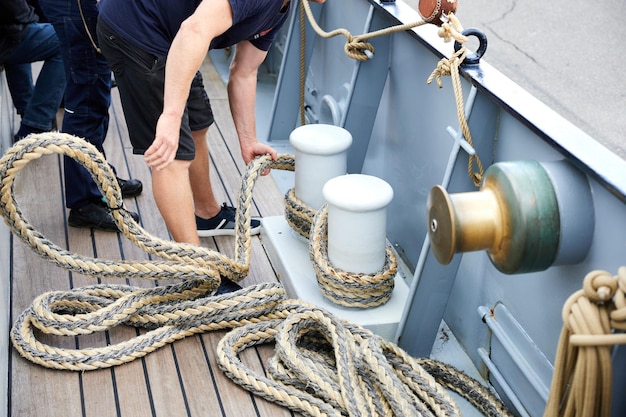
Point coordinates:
[(569, 55)]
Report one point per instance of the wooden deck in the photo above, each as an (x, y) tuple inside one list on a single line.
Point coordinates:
[(181, 379)]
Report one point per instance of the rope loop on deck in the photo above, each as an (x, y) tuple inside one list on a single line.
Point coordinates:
[(170, 313), (375, 377), (582, 380), (324, 366), (182, 261)]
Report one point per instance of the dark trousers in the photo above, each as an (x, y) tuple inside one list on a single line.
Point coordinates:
[(88, 90)]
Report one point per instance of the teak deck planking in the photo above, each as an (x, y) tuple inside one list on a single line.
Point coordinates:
[(181, 379)]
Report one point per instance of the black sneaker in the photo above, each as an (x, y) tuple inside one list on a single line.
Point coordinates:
[(96, 216), (130, 188), (223, 224)]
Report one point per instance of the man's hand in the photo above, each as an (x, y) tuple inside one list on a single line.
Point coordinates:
[(251, 151), (163, 150)]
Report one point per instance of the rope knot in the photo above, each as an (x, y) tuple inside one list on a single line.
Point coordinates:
[(358, 50), (443, 69), (445, 66), (451, 28), (599, 286), (618, 316), (448, 33), (477, 178)]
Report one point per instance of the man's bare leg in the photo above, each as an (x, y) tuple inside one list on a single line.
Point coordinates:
[(205, 204), (172, 192)]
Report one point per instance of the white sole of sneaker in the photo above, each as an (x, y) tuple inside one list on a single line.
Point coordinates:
[(225, 232)]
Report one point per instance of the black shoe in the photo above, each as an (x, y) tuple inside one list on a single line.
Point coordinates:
[(96, 216), (227, 286), (130, 187), (223, 223)]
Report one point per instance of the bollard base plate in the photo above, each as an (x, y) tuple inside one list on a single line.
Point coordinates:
[(289, 254)]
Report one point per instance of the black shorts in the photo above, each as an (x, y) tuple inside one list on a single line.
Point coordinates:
[(140, 77)]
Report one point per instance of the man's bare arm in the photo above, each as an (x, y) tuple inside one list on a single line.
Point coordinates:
[(242, 83), (188, 50)]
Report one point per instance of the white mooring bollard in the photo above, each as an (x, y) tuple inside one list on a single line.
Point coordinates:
[(356, 227), (357, 222), (320, 154)]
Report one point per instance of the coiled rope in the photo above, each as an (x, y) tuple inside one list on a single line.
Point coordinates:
[(324, 366), (592, 320), (346, 288), (299, 215), (372, 377)]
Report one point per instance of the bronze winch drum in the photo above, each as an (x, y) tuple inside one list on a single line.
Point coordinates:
[(527, 216)]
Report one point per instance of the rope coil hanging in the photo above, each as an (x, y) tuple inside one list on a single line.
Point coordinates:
[(593, 320)]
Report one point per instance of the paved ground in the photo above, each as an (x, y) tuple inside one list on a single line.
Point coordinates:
[(570, 55)]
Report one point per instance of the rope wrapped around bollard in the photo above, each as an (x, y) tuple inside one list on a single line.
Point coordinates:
[(298, 215), (360, 373), (345, 288)]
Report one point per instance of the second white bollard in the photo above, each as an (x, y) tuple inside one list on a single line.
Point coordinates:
[(320, 154)]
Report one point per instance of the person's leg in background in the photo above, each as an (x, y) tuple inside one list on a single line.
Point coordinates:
[(87, 100), (39, 43), (20, 83)]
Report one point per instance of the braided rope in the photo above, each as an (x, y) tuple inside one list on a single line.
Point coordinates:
[(347, 288), (375, 378), (582, 380), (341, 287), (183, 261), (298, 214), (171, 312), (356, 47), (450, 30), (324, 366)]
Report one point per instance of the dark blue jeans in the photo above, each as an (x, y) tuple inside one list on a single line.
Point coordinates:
[(88, 90), (37, 104), (20, 83)]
